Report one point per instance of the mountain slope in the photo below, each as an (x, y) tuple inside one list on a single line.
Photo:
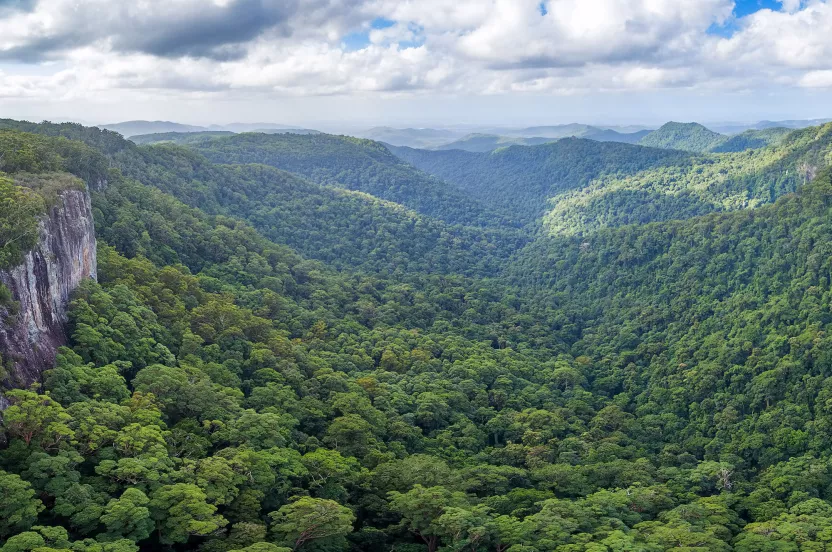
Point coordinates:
[(490, 142), (700, 318), (578, 186), (608, 135), (520, 180), (683, 136), (752, 139), (346, 229), (354, 164), (694, 186)]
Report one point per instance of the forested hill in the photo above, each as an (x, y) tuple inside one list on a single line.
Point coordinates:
[(346, 229), (520, 180), (354, 164), (649, 388), (684, 136), (696, 138)]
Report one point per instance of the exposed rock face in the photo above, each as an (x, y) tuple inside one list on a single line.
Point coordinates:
[(62, 259)]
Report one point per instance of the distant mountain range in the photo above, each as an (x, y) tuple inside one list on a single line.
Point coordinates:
[(129, 129), (693, 137), (489, 139), (490, 142), (422, 138)]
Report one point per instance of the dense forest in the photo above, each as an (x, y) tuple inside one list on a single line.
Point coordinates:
[(306, 343), (579, 186)]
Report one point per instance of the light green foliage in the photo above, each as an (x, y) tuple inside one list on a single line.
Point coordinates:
[(37, 420), (310, 519), (182, 510), (128, 516), (19, 508)]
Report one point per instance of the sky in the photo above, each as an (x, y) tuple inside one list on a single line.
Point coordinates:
[(321, 63)]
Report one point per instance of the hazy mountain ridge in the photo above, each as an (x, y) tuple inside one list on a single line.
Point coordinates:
[(490, 142), (130, 129)]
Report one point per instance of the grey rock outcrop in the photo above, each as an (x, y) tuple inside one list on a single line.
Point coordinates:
[(63, 258)]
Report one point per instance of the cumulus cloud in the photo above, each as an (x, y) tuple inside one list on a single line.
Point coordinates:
[(165, 28), (296, 47)]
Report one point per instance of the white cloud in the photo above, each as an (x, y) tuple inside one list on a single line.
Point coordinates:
[(817, 79), (294, 47)]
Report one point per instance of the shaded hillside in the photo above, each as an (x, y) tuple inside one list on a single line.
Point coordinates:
[(347, 229), (696, 319), (354, 164), (520, 180)]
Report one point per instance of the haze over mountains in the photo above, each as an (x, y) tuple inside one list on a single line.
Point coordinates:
[(128, 129), (689, 137)]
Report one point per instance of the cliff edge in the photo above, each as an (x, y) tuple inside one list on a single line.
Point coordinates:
[(64, 256)]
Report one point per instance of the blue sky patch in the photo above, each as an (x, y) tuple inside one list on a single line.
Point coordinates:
[(746, 7), (359, 40), (356, 41), (381, 23), (742, 8)]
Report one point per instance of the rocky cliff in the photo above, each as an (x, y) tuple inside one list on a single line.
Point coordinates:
[(41, 285)]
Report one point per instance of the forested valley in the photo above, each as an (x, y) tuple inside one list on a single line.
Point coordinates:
[(321, 343)]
